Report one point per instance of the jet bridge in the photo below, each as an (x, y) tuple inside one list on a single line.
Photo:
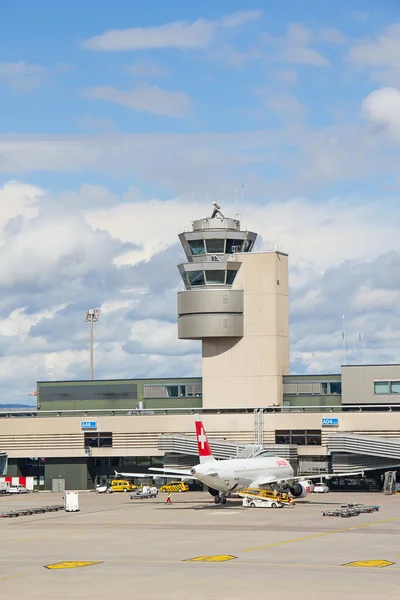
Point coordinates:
[(351, 452)]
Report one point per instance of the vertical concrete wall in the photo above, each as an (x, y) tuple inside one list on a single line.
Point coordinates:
[(248, 371), (74, 471), (358, 384)]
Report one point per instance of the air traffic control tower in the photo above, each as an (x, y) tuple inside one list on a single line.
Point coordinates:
[(236, 302)]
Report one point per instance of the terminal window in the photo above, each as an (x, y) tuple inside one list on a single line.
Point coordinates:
[(98, 440), (188, 390), (386, 387), (299, 437)]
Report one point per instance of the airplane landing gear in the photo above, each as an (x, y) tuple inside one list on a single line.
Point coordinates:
[(220, 499)]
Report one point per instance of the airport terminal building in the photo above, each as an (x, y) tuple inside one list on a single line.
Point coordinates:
[(236, 302)]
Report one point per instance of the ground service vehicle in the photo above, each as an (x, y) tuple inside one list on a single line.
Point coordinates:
[(17, 489), (261, 502), (321, 488), (104, 489), (175, 486), (146, 492), (122, 485)]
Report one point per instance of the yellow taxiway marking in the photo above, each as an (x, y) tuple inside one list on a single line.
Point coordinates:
[(213, 558), (73, 564), (316, 535), (369, 563), (13, 576)]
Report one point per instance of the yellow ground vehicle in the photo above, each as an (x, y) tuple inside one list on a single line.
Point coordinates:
[(265, 494), (122, 485), (175, 486)]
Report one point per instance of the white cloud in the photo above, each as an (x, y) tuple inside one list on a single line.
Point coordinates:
[(286, 105), (146, 68), (180, 35), (61, 255), (379, 55), (289, 76), (97, 124), (381, 51), (382, 109), (19, 323), (180, 161), (372, 298), (150, 99), (240, 18), (331, 36), (23, 76), (295, 48)]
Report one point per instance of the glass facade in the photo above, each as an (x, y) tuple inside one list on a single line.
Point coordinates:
[(215, 246), (230, 277), (196, 247), (196, 278), (299, 437), (188, 390), (215, 277), (386, 387), (98, 440), (233, 246), (95, 391)]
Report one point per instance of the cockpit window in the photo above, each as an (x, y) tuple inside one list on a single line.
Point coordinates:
[(266, 454)]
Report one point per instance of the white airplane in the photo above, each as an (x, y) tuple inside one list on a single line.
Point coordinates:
[(265, 470)]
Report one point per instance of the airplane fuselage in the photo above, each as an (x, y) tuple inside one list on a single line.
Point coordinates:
[(236, 474)]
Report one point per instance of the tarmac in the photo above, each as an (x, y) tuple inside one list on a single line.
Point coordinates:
[(116, 547)]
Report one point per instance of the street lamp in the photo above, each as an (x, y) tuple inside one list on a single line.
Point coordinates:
[(92, 316)]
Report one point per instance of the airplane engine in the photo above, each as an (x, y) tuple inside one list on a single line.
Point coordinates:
[(300, 489), (213, 492)]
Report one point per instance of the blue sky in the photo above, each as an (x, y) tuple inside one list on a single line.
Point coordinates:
[(118, 121)]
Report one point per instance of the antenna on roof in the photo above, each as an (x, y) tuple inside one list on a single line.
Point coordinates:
[(216, 210), (361, 337), (344, 340)]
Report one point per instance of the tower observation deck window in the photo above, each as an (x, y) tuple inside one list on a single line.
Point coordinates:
[(230, 277), (215, 246), (196, 278), (233, 246), (248, 245), (196, 247), (215, 277)]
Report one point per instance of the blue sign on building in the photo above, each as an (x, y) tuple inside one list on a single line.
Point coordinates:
[(329, 422), (88, 425)]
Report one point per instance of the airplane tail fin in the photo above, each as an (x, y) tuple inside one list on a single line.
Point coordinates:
[(205, 453)]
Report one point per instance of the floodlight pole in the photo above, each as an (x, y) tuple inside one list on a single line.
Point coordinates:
[(92, 316), (91, 348)]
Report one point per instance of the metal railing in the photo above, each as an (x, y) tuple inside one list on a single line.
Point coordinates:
[(197, 410)]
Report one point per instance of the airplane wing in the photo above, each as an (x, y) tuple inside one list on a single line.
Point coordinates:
[(152, 475), (176, 472), (329, 475), (263, 481)]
